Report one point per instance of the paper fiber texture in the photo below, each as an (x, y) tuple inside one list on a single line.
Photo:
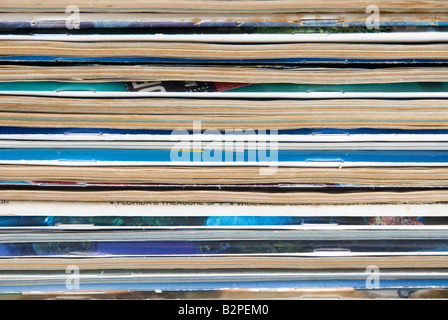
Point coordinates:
[(205, 6)]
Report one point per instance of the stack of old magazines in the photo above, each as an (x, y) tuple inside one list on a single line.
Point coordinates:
[(224, 148)]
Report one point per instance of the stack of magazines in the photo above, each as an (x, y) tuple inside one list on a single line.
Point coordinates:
[(224, 148)]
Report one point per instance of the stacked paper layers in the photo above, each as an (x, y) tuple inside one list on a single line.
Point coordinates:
[(232, 148)]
